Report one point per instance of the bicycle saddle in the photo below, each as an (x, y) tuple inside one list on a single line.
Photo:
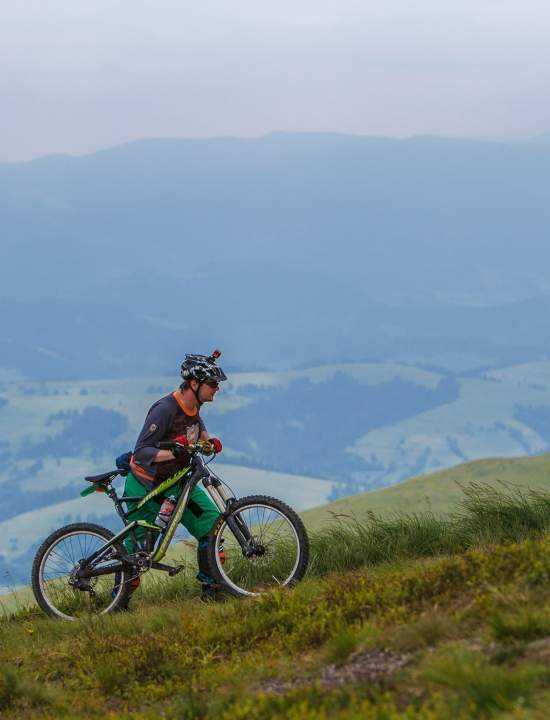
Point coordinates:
[(105, 476)]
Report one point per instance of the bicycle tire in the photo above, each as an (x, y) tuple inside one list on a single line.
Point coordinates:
[(258, 574), (54, 591)]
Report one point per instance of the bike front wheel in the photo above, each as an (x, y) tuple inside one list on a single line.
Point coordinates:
[(261, 544), (55, 582)]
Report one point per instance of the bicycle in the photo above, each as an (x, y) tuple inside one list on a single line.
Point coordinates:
[(256, 544)]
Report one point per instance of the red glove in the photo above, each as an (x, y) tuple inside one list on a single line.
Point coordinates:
[(216, 444), (178, 452)]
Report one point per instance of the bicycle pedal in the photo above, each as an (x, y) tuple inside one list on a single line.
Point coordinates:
[(175, 570)]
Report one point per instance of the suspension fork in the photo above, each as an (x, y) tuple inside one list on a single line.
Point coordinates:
[(242, 533), (235, 523)]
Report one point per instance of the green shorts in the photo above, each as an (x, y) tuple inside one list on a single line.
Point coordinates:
[(199, 516)]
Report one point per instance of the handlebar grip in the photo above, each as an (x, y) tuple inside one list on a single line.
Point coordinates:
[(166, 445)]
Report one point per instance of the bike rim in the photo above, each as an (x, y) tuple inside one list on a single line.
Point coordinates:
[(276, 568), (57, 563)]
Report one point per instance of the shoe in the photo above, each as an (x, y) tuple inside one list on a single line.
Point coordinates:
[(134, 584), (210, 593)]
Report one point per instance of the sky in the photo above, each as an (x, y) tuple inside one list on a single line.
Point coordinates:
[(81, 75)]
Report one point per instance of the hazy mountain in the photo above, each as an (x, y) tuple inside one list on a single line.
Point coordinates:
[(441, 218), (285, 250), (261, 329), (541, 141)]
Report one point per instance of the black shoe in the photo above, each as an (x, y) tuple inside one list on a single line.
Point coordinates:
[(210, 593), (134, 584)]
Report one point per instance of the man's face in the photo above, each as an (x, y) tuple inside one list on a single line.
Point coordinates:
[(207, 390)]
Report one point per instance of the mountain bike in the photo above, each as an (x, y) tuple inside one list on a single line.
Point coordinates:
[(257, 543)]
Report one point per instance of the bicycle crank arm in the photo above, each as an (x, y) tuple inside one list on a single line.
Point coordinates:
[(170, 569)]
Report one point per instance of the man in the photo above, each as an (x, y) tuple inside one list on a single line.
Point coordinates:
[(177, 416)]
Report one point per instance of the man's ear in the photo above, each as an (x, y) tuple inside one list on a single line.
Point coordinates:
[(194, 385)]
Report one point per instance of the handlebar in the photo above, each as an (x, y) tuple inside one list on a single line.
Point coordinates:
[(202, 446)]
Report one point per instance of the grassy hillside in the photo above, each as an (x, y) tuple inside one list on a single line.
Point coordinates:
[(438, 492), (433, 619)]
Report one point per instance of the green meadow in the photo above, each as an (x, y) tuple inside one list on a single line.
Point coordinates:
[(438, 492), (419, 611)]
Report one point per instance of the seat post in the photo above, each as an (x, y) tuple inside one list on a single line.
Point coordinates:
[(112, 493)]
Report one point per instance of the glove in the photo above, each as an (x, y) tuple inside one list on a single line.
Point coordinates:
[(182, 440), (216, 444)]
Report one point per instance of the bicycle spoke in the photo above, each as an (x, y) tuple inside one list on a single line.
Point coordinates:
[(67, 594), (275, 550)]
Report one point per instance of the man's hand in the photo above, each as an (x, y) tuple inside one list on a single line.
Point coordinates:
[(216, 444), (181, 440)]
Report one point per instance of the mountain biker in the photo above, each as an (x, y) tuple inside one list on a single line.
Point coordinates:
[(176, 417)]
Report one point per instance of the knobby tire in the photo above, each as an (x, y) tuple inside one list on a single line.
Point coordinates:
[(249, 581), (46, 598)]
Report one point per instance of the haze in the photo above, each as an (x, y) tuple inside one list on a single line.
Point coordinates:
[(78, 76)]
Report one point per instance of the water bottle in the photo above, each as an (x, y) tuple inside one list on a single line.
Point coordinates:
[(165, 512)]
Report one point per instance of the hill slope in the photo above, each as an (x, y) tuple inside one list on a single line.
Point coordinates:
[(431, 630), (440, 491)]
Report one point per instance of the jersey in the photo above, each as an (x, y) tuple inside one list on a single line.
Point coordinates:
[(166, 419)]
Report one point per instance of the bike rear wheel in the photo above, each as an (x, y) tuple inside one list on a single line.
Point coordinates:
[(277, 552), (58, 589)]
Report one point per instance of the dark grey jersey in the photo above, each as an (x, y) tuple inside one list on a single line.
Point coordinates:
[(166, 420)]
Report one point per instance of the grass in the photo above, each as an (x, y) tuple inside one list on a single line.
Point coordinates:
[(477, 684), (525, 623), (457, 604), (345, 639), (438, 492), (483, 517)]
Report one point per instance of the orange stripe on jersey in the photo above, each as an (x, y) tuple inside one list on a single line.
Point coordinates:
[(177, 397), (139, 472)]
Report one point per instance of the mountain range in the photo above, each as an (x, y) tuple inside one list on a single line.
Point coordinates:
[(286, 250)]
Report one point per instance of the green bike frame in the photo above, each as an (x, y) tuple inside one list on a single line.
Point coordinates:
[(147, 557)]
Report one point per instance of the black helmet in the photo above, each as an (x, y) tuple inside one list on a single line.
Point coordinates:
[(202, 368)]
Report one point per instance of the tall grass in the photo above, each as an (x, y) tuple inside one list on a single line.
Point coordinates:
[(484, 517)]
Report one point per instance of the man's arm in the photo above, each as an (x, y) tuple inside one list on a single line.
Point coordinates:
[(155, 428), (202, 430)]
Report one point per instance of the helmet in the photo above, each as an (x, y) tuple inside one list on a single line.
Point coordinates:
[(202, 368)]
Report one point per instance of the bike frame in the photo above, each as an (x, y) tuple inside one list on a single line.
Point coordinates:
[(146, 557)]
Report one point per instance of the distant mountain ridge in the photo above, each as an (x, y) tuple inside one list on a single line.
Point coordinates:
[(347, 247), (384, 201)]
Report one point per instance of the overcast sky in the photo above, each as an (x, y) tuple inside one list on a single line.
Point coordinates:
[(79, 75)]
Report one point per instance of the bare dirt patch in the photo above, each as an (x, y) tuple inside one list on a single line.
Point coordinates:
[(362, 667)]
